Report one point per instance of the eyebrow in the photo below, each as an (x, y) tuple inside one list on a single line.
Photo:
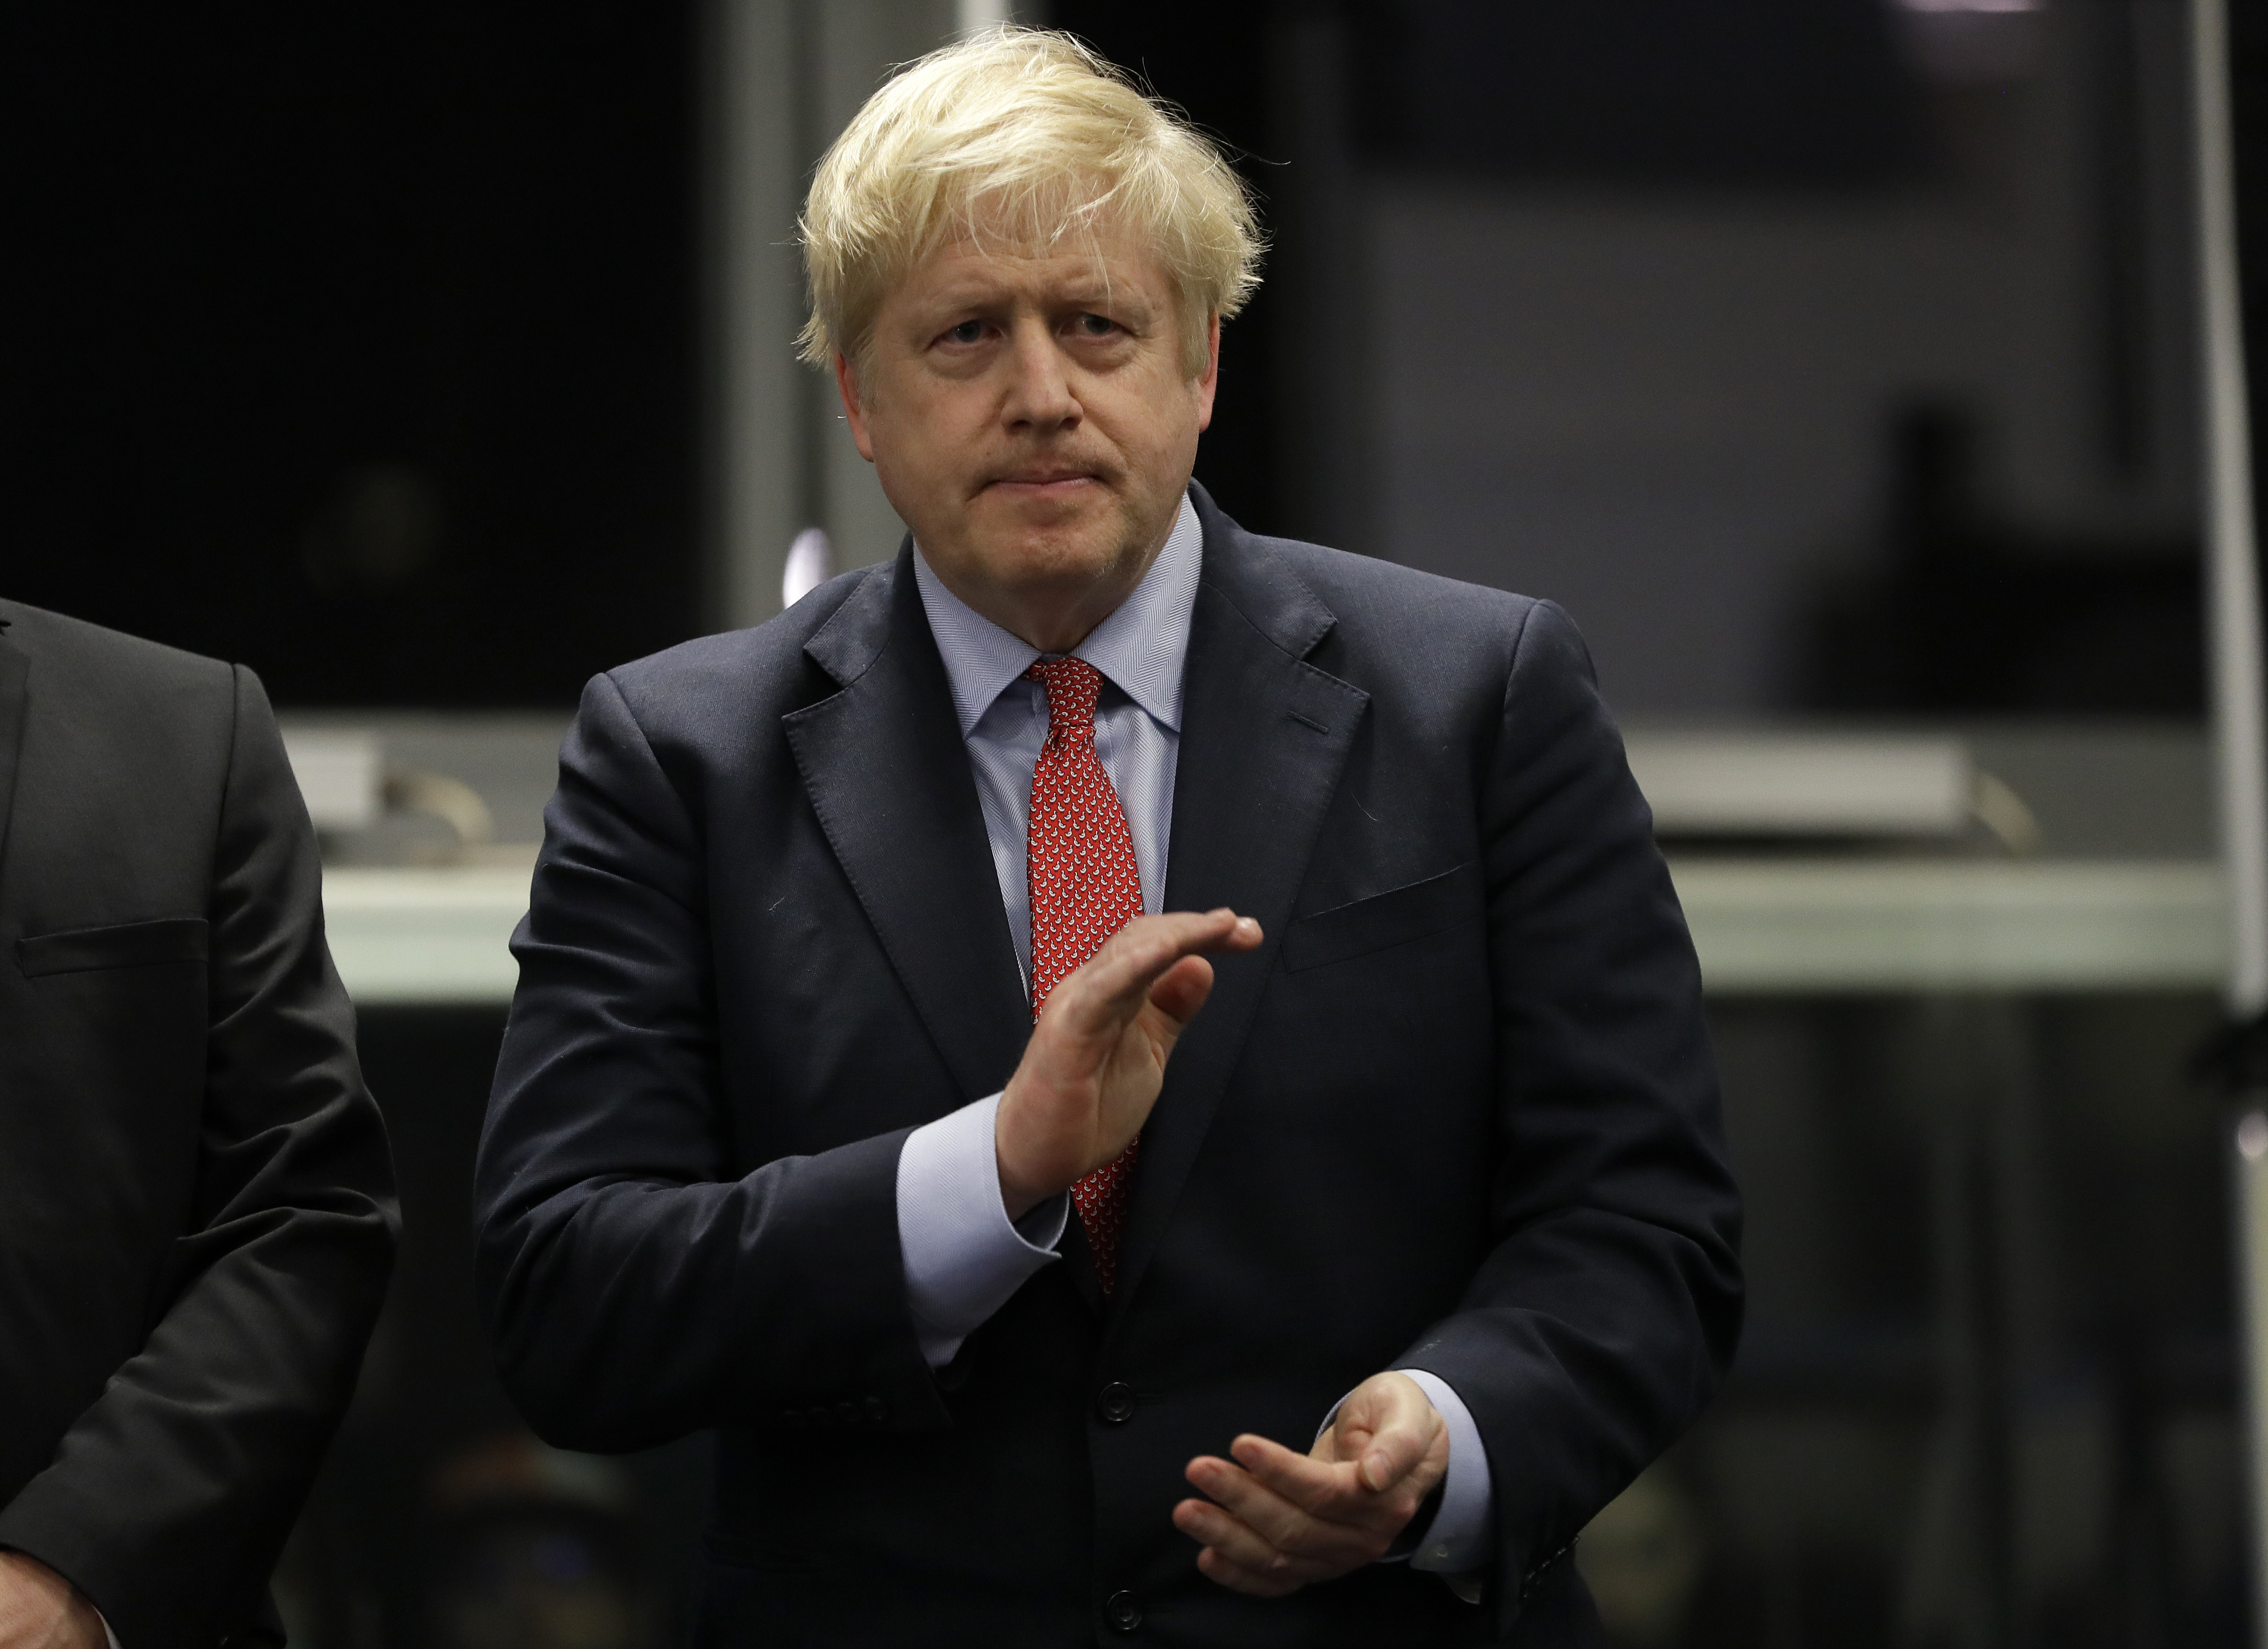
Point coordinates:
[(1094, 292)]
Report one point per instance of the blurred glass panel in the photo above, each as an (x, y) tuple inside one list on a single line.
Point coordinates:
[(1987, 1392)]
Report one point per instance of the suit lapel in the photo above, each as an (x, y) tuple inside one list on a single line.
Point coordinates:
[(888, 775), (1264, 737), (15, 697)]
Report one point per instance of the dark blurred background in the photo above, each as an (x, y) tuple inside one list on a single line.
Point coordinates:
[(377, 346), (1831, 360), (358, 342)]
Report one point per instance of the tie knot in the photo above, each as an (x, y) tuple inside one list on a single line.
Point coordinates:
[(1072, 685)]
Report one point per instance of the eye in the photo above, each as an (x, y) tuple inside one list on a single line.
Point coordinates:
[(1091, 325), (967, 332)]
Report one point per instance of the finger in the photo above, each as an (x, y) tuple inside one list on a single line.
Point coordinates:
[(1267, 1513), (1289, 1528), (1123, 971), (1345, 1520), (1243, 931), (1095, 1004), (1317, 1487), (1246, 934), (1182, 990), (1212, 1526), (1228, 1572)]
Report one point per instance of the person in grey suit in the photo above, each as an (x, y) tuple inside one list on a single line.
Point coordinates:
[(197, 1206), (1148, 1081)]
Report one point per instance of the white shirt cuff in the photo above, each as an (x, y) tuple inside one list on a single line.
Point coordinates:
[(105, 1630), (963, 1256), (1463, 1535)]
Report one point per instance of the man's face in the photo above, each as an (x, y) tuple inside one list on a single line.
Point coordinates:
[(1028, 415)]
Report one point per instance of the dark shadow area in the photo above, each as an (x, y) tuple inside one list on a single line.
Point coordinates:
[(356, 345), (438, 1520), (1988, 1394), (1807, 93), (1970, 613)]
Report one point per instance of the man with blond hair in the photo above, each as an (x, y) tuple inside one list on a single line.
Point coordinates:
[(1148, 1082)]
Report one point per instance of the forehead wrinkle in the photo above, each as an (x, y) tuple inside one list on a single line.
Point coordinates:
[(980, 275)]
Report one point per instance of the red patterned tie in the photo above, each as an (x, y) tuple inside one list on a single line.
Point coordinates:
[(1085, 888)]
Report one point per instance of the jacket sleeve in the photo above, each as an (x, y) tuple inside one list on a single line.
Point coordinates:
[(1609, 1307), (169, 1499), (636, 1287)]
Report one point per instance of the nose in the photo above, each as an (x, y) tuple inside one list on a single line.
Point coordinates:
[(1039, 399)]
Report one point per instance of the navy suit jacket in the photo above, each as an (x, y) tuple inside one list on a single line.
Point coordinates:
[(1457, 1112)]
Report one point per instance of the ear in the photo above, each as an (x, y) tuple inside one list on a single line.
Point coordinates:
[(846, 381), (1210, 378)]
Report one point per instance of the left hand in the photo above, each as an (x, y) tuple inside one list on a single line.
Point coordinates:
[(1275, 1521)]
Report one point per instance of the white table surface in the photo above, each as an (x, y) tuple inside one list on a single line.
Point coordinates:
[(1824, 925), (1801, 927)]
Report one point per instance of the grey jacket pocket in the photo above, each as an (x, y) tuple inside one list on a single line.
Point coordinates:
[(1383, 920), (128, 945)]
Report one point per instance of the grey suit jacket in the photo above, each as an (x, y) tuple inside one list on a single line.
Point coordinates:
[(196, 1208)]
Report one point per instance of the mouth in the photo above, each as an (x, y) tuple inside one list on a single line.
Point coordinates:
[(1051, 481)]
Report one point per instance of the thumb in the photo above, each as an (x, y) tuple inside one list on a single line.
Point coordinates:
[(1181, 991), (1387, 1438), (1393, 1454)]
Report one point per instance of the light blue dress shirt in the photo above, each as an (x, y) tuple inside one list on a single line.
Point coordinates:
[(963, 1256)]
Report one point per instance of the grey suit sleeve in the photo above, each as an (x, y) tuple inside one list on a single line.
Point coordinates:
[(634, 1285), (1610, 1304), (169, 1498)]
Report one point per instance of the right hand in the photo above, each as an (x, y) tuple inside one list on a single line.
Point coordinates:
[(40, 1609), (1097, 1056)]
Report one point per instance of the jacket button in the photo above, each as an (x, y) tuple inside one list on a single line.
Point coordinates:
[(846, 1413), (1121, 1612), (1114, 1403), (877, 1411)]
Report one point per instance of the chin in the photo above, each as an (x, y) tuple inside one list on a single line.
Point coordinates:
[(1064, 557), (1059, 543)]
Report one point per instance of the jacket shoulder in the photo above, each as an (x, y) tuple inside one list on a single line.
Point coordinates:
[(763, 669), (145, 708), (75, 645), (1391, 614)]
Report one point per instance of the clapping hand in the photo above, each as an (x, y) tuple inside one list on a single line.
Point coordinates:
[(1274, 1522), (1097, 1057)]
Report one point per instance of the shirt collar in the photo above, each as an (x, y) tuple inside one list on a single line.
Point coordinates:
[(1141, 646)]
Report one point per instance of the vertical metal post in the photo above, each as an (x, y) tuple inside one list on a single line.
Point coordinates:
[(853, 46), (2234, 594), (783, 77), (2234, 575), (757, 489)]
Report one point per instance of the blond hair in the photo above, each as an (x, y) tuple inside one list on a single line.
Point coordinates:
[(1026, 136)]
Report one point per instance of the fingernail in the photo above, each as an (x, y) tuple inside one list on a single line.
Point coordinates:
[(1375, 1466)]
